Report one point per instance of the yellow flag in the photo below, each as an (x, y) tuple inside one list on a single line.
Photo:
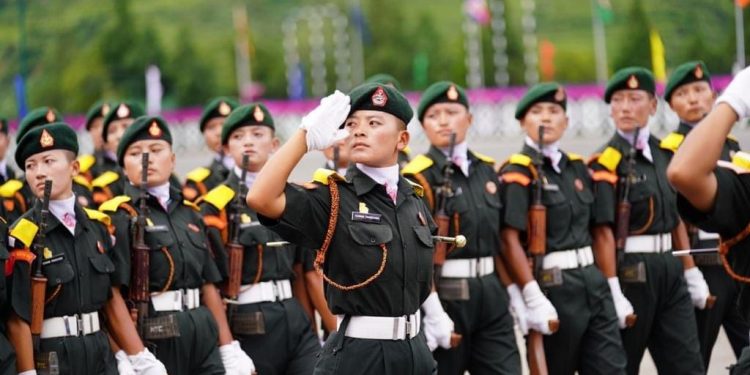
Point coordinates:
[(658, 60)]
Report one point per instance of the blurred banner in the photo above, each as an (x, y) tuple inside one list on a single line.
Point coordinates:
[(658, 60)]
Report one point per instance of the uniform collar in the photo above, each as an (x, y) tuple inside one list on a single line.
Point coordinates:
[(329, 165), (684, 127), (135, 194), (110, 155), (363, 184), (59, 208), (550, 151), (558, 165), (642, 143), (382, 176), (249, 176), (227, 161)]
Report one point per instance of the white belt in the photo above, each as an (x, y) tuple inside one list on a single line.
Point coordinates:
[(656, 243), (267, 291), (176, 300), (568, 259), (73, 325), (703, 235), (464, 268), (382, 327)]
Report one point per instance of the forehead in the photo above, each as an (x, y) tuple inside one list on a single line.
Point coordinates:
[(630, 93), (44, 154), (251, 128), (693, 85), (368, 114), (146, 143), (445, 106), (545, 105)]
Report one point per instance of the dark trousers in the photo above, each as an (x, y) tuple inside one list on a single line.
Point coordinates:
[(488, 344), (288, 346), (666, 317), (7, 356), (588, 340), (743, 364), (82, 355)]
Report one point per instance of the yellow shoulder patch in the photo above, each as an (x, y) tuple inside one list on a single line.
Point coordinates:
[(321, 176), (114, 203), (105, 179), (417, 165), (406, 151), (610, 158), (98, 216), (191, 205), (86, 162), (520, 159), (80, 180), (219, 196), (741, 159), (672, 141), (574, 157), (418, 189), (25, 231), (198, 174), (484, 158), (731, 137), (8, 189)]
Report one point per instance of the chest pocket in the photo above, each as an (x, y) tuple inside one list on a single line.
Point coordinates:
[(100, 278), (425, 249), (157, 237), (457, 204), (59, 273), (254, 234), (368, 255), (558, 211), (492, 200)]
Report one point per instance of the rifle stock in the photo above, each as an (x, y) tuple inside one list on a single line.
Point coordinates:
[(38, 280), (139, 286), (235, 250)]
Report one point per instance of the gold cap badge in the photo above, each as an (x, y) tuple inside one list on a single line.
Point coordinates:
[(258, 114), (123, 111), (698, 72), (50, 116), (560, 94), (154, 130), (379, 97), (633, 82), (46, 139), (224, 109), (105, 109), (452, 93)]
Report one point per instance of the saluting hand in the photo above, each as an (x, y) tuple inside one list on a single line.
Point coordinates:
[(322, 124), (737, 94)]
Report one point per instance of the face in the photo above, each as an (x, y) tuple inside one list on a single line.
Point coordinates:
[(160, 161), (258, 142), (114, 133), (57, 165), (343, 156), (95, 131), (631, 108), (441, 119), (212, 133), (692, 101), (550, 116), (375, 138)]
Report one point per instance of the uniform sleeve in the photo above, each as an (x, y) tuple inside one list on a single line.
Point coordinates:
[(215, 241), (210, 273), (731, 211), (18, 277), (515, 187), (120, 253), (605, 194), (305, 217)]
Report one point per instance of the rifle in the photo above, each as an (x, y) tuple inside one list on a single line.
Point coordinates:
[(139, 290), (234, 248), (38, 280)]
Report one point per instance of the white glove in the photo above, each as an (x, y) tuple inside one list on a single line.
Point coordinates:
[(144, 363), (235, 360), (322, 124), (540, 309), (518, 308), (28, 372), (737, 94), (622, 305), (697, 287), (124, 367), (437, 325)]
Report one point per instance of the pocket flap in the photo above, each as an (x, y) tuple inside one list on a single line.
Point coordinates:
[(102, 264), (369, 234), (424, 235), (158, 239), (59, 273)]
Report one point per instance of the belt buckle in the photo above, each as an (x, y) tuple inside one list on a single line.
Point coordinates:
[(275, 290), (407, 326), (79, 320)]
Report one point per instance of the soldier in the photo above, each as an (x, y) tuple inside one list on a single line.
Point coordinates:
[(372, 228), (94, 125), (468, 287), (658, 286), (690, 95), (200, 180), (72, 249), (186, 317), (271, 325), (716, 199)]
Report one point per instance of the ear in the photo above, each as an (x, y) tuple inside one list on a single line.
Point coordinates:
[(654, 102), (403, 139), (75, 166), (275, 143)]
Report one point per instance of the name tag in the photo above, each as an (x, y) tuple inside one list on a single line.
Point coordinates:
[(366, 217), (55, 259), (250, 224), (156, 228)]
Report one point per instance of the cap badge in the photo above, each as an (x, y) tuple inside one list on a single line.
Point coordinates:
[(258, 114), (379, 97), (46, 139), (632, 82), (105, 109), (452, 93), (123, 111), (224, 109), (50, 116), (560, 94), (698, 72), (154, 130)]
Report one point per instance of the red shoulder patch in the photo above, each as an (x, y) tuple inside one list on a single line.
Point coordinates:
[(15, 255)]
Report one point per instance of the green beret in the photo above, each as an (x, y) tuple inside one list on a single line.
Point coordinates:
[(218, 107), (98, 110), (37, 116), (253, 114), (382, 98), (631, 78), (688, 72), (441, 92), (55, 136), (548, 92), (144, 127), (3, 125), (384, 79), (120, 111)]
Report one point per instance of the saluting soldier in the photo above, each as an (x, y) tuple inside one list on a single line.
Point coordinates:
[(661, 289), (75, 259), (94, 125), (269, 323), (468, 287), (716, 198), (372, 228), (200, 180), (186, 315), (691, 96)]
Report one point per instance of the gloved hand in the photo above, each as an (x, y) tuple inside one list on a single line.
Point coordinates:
[(235, 361), (322, 124), (437, 325), (518, 308), (737, 94), (623, 307), (540, 309), (144, 363), (28, 372), (697, 287), (124, 367)]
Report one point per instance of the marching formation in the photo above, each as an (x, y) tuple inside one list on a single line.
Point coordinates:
[(386, 262)]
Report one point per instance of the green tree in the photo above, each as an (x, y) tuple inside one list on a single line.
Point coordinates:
[(189, 80), (633, 47)]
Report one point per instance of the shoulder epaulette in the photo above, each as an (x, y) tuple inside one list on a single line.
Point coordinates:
[(98, 216), (417, 165), (9, 188), (113, 204), (321, 176), (86, 162), (406, 150), (105, 179), (732, 138), (191, 205), (418, 189), (80, 180), (516, 177), (672, 141), (741, 159), (24, 230), (219, 196), (520, 159), (610, 158), (574, 157), (198, 174), (484, 158)]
